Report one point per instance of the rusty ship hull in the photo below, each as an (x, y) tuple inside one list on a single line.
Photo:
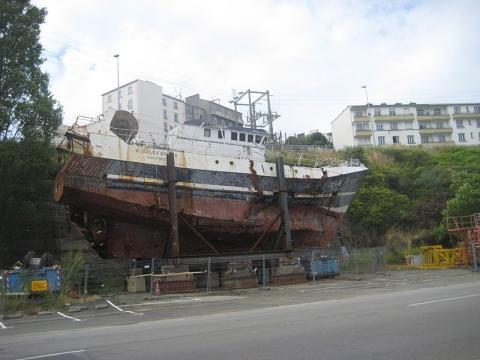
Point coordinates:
[(122, 206)]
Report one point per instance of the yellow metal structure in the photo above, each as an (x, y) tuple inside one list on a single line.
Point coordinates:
[(436, 257)]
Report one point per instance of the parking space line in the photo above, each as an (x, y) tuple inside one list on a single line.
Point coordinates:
[(68, 317), (120, 309), (52, 355), (2, 326)]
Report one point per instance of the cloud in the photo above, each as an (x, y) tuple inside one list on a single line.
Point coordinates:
[(312, 55)]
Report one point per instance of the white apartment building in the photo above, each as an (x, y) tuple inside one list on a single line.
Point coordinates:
[(407, 124), (157, 113)]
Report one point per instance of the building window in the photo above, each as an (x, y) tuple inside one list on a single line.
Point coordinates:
[(420, 112), (165, 126), (175, 105), (461, 137), (471, 135), (362, 126), (459, 124), (396, 139), (456, 109), (130, 92), (378, 113), (164, 102), (242, 136), (250, 138), (129, 104), (109, 98), (410, 139), (424, 139), (437, 112), (221, 134), (392, 112), (478, 123), (439, 124), (379, 126), (233, 135), (393, 126), (381, 140), (358, 114), (441, 138), (206, 132), (258, 139), (467, 109), (165, 117), (175, 117), (476, 109)]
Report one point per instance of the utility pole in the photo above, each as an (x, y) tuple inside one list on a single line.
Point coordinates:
[(118, 80), (370, 122)]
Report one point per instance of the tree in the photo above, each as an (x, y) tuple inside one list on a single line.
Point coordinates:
[(27, 108), (316, 138), (379, 208), (29, 118), (466, 190)]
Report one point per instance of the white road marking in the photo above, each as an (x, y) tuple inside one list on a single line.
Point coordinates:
[(2, 326), (50, 355), (120, 309), (441, 300), (68, 317)]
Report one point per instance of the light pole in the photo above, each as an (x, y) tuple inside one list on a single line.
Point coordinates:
[(118, 81), (369, 115)]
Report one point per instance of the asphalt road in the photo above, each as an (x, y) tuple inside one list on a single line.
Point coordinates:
[(424, 323)]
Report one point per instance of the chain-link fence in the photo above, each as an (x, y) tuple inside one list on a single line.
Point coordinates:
[(365, 260), (43, 287)]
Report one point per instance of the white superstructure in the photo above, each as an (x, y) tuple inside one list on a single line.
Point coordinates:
[(156, 112), (407, 124)]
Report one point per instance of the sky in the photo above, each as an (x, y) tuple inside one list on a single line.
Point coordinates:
[(313, 56)]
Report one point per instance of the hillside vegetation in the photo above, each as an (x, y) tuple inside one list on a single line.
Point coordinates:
[(408, 192)]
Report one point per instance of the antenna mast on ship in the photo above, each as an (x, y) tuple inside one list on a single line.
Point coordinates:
[(256, 119)]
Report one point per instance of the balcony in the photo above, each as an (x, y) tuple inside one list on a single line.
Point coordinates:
[(467, 116), (361, 118), (433, 117), (426, 131), (363, 132), (410, 117)]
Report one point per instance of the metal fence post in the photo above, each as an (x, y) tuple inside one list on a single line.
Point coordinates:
[(356, 262), (263, 272), (152, 273), (208, 276), (85, 284), (474, 258), (313, 267), (2, 295)]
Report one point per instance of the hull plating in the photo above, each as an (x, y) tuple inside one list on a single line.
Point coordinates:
[(126, 207)]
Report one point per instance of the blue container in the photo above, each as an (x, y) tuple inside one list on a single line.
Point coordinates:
[(324, 266), (19, 281)]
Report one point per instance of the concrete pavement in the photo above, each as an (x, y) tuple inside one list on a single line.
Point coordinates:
[(439, 320)]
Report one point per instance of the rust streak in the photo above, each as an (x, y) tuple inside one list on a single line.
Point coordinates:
[(254, 177)]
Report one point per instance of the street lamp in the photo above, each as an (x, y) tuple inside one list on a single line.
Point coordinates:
[(369, 115), (118, 81)]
